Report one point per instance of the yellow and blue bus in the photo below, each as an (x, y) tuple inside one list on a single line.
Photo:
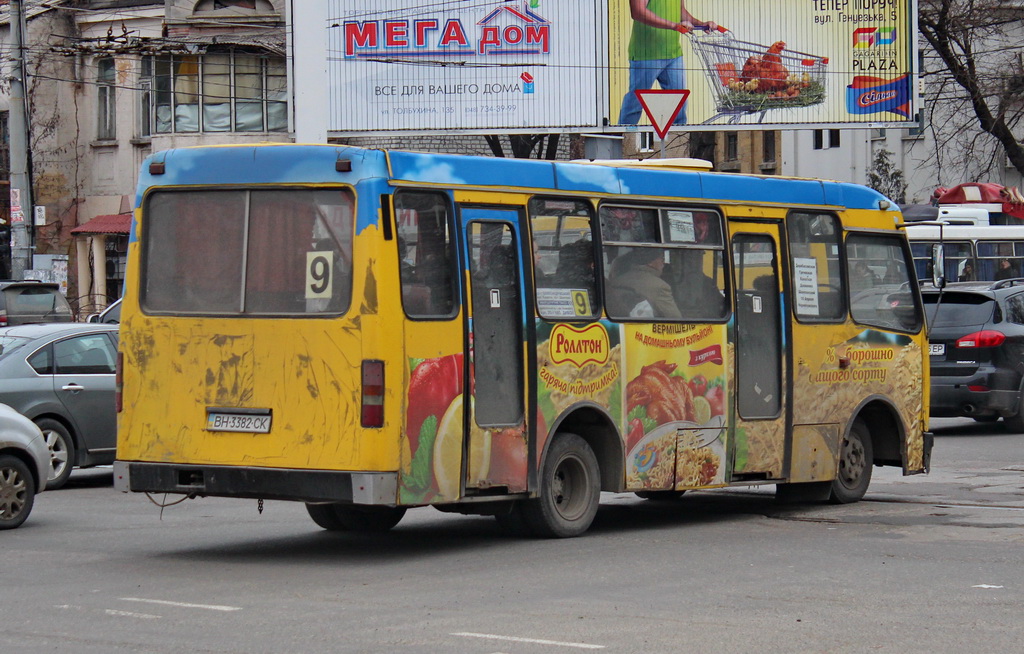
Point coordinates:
[(366, 331)]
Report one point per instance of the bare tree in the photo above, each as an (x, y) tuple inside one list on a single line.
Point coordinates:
[(977, 81), (523, 145)]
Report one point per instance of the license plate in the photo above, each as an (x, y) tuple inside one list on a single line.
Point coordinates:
[(242, 422), (936, 349)]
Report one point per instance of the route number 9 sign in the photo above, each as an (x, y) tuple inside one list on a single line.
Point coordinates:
[(318, 274)]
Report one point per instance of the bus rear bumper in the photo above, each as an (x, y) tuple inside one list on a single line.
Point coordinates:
[(379, 488)]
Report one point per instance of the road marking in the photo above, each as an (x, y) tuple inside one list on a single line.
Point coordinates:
[(534, 641), (129, 614), (186, 605)]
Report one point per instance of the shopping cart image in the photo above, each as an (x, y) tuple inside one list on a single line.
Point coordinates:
[(748, 78)]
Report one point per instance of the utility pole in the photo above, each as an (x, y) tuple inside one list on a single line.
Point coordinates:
[(21, 189)]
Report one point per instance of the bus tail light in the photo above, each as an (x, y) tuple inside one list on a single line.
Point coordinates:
[(118, 379), (373, 393), (984, 338)]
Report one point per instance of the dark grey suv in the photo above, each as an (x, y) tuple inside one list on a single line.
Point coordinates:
[(976, 339)]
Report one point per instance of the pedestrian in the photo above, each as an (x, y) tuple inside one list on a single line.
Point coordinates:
[(655, 53)]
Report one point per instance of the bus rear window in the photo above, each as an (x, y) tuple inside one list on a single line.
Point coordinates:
[(267, 252)]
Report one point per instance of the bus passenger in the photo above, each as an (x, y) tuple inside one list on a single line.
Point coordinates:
[(576, 266), (1006, 270), (967, 275), (862, 277), (894, 273), (696, 294), (636, 289)]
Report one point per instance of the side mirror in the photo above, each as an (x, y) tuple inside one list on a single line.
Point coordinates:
[(93, 317), (938, 266)]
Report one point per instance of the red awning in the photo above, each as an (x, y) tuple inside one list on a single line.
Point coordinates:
[(119, 223)]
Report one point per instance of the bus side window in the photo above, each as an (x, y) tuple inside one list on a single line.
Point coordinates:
[(425, 253), (563, 259), (889, 305), (814, 241)]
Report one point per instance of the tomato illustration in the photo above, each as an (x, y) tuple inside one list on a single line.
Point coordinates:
[(635, 434), (699, 385), (432, 387), (508, 456), (715, 396)]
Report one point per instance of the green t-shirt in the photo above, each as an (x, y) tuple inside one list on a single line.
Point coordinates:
[(648, 42)]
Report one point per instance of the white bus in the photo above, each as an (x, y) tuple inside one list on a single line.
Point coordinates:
[(972, 252)]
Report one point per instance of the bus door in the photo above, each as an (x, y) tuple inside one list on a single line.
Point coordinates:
[(759, 411), (495, 447)]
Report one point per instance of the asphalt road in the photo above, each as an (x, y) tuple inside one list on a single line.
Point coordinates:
[(926, 564)]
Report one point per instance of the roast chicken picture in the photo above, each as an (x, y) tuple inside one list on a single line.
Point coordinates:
[(765, 73)]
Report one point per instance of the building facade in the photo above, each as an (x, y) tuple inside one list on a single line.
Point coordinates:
[(111, 81)]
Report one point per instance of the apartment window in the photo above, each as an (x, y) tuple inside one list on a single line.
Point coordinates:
[(826, 138), (106, 117), (732, 149), (918, 129), (645, 141), (146, 98), (768, 147), (231, 91)]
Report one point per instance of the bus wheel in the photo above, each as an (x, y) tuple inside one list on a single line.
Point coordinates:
[(660, 495), (570, 490), (345, 517), (855, 461)]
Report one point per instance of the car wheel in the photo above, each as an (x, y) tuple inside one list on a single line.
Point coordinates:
[(62, 452), (570, 490), (985, 418), (17, 492), (856, 458), (1015, 424), (345, 517)]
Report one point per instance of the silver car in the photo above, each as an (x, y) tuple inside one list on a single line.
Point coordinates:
[(24, 465), (61, 376)]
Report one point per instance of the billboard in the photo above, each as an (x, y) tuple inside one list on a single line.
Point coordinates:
[(545, 65), (409, 65), (770, 62)]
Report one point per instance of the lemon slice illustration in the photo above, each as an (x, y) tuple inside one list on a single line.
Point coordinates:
[(448, 452), (701, 410)]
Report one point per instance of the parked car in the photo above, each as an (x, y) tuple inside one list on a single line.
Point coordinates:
[(976, 340), (112, 314), (32, 301), (24, 465), (61, 376)]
